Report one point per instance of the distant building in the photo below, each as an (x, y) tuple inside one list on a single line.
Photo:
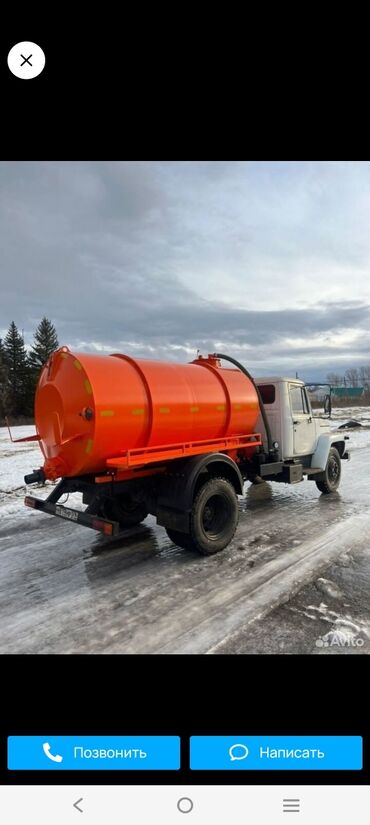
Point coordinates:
[(319, 393), (347, 392)]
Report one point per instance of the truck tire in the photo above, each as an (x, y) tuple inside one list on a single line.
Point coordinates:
[(214, 516), (214, 519), (180, 539), (332, 473), (127, 512)]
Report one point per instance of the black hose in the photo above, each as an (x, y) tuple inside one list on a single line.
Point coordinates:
[(35, 477), (262, 406)]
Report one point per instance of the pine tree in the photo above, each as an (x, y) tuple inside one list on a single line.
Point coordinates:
[(2, 354), (45, 342), (3, 381), (18, 374)]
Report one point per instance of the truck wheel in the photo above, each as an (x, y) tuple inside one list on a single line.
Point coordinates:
[(125, 510), (332, 474), (181, 539), (214, 516)]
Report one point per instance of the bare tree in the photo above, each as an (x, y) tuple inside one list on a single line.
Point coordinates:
[(364, 375), (333, 379), (352, 377)]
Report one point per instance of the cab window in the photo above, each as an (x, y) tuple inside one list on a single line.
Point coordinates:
[(267, 392), (298, 400)]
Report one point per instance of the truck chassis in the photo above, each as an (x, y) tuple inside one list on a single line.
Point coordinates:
[(194, 498)]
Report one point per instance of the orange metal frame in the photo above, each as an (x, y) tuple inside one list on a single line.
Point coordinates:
[(149, 455)]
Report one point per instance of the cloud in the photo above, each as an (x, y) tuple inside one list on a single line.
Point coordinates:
[(268, 260)]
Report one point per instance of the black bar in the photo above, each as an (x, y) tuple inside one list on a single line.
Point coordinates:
[(271, 469), (68, 514), (58, 491)]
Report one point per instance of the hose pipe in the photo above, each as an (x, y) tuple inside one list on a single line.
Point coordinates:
[(261, 404)]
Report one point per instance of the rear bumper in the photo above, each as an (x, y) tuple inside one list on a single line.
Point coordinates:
[(108, 528)]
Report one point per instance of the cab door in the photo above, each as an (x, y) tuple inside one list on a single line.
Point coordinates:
[(302, 421)]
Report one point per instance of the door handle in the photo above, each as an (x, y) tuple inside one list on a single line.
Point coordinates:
[(297, 422)]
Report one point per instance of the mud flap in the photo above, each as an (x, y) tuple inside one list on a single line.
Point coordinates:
[(173, 519)]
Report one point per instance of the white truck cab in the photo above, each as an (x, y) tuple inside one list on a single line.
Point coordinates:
[(305, 441)]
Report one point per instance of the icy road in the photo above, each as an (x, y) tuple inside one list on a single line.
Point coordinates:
[(295, 579)]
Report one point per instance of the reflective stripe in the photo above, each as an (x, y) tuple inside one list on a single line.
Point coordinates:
[(220, 407), (77, 365), (106, 413), (164, 409), (139, 411), (89, 446), (194, 409), (88, 387)]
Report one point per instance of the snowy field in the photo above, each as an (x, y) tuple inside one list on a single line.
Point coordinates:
[(295, 579)]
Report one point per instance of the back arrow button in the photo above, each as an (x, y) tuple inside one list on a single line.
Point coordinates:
[(76, 804)]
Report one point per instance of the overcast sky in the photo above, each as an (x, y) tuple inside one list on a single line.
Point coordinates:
[(268, 261)]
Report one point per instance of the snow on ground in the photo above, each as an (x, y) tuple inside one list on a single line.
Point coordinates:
[(16, 461)]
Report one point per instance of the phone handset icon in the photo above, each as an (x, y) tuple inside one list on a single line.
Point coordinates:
[(46, 749)]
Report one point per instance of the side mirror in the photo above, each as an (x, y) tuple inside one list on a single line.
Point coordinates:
[(327, 405)]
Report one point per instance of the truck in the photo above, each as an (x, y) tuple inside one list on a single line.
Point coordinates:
[(178, 441)]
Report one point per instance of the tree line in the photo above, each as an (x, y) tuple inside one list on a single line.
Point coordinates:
[(20, 370), (352, 378)]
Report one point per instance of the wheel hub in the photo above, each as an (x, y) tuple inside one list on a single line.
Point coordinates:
[(333, 470), (216, 514)]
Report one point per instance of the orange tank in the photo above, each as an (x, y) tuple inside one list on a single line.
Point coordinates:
[(92, 409)]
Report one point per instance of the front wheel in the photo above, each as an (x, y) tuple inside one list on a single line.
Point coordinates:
[(332, 474)]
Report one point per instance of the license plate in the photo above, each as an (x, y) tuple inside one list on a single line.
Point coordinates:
[(72, 515)]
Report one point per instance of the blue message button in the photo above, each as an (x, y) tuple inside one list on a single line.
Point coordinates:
[(76, 753), (268, 753)]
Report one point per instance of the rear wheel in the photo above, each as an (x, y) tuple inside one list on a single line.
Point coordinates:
[(181, 539), (213, 521), (124, 510), (214, 516), (333, 470)]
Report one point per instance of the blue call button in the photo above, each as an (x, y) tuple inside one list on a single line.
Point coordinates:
[(269, 753), (86, 753)]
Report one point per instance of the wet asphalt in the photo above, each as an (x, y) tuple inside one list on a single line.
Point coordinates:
[(295, 579)]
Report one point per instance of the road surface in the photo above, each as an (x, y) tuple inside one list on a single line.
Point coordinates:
[(295, 578)]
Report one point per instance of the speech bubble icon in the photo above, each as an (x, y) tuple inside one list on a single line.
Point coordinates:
[(241, 752)]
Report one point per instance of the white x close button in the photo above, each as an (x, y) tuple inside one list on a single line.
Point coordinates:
[(26, 60)]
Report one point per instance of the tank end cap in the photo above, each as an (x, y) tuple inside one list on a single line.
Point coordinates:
[(36, 476)]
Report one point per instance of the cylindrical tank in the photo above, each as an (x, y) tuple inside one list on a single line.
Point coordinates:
[(90, 408)]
